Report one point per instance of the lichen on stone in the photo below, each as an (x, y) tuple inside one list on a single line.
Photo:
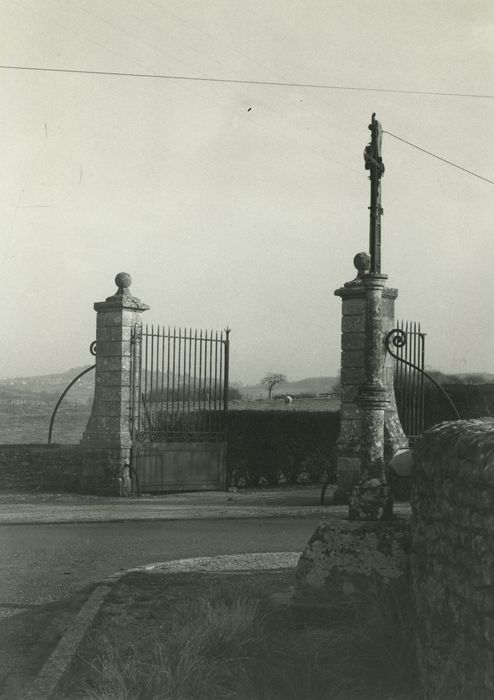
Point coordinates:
[(342, 552)]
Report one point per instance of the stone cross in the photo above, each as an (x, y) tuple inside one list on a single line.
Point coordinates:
[(374, 163), (370, 428)]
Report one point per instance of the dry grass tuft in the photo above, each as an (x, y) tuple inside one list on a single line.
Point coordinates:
[(230, 643)]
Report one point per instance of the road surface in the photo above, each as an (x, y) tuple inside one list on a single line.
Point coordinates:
[(45, 563)]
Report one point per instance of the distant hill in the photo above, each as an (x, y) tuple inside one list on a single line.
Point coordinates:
[(40, 388), (44, 387)]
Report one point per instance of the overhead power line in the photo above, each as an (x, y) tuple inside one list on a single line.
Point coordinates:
[(246, 82), (444, 160), (280, 84)]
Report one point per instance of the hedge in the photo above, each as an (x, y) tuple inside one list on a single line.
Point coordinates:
[(277, 446), (296, 446), (471, 401)]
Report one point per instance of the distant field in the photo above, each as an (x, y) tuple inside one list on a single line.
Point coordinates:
[(29, 424), (316, 404)]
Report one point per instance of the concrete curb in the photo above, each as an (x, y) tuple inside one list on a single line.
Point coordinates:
[(77, 514), (48, 515), (59, 661), (224, 562)]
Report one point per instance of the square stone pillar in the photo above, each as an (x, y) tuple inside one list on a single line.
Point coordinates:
[(107, 438), (353, 376)]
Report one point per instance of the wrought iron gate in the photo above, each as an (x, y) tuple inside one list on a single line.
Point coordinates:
[(179, 402), (408, 343), (409, 350)]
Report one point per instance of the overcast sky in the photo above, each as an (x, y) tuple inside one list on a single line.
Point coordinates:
[(242, 204)]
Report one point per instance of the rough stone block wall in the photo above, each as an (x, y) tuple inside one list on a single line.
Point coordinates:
[(40, 467), (102, 472), (354, 560), (453, 559)]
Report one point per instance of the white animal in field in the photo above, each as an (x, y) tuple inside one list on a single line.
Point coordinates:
[(288, 399)]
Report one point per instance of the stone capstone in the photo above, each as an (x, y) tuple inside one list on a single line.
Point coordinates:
[(123, 280)]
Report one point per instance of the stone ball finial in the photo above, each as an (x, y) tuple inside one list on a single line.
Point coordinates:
[(362, 262), (123, 280)]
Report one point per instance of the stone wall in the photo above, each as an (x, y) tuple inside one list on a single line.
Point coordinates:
[(453, 559), (40, 467)]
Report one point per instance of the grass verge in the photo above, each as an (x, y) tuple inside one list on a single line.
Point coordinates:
[(218, 636)]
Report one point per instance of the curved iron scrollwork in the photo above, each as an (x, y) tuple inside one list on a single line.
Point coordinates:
[(92, 350), (398, 338)]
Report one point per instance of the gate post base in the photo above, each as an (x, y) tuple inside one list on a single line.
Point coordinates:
[(348, 474), (105, 472)]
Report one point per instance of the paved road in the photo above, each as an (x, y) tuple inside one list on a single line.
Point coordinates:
[(44, 563)]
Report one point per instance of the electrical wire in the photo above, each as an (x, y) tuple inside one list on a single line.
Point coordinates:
[(444, 160), (244, 82), (260, 82)]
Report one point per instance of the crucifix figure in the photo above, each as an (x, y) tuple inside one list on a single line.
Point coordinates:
[(374, 163)]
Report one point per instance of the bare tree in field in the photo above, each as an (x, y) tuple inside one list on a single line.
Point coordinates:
[(271, 380)]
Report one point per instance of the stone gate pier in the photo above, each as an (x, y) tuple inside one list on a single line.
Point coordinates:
[(106, 442), (358, 559), (354, 354)]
